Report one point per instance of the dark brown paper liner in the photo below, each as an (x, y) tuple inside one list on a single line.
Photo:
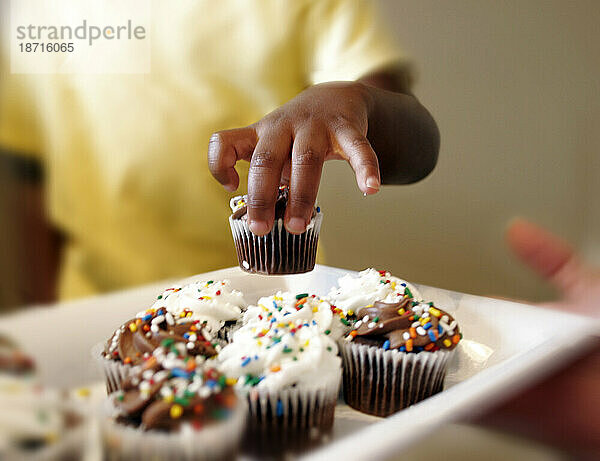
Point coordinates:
[(303, 420), (278, 252), (380, 382)]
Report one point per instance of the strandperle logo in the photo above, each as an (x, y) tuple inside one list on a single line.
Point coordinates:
[(87, 32), (80, 36)]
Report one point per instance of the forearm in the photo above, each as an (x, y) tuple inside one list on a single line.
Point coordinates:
[(403, 134)]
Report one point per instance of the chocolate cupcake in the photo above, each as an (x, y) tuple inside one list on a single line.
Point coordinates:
[(397, 355), (290, 373), (13, 360), (197, 318), (278, 252), (37, 423), (173, 409), (150, 335)]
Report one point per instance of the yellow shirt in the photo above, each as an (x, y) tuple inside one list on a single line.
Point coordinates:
[(125, 155)]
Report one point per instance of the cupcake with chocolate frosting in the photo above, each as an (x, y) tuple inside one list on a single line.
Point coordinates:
[(278, 252), (396, 355), (174, 409), (152, 333), (195, 318)]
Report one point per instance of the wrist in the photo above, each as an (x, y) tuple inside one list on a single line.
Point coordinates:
[(367, 96)]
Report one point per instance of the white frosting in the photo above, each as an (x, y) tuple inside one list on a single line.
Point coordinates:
[(286, 307), (214, 302), (238, 202), (280, 356), (370, 285)]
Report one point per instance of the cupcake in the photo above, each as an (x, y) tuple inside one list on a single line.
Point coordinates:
[(357, 291), (290, 373), (214, 302), (173, 409), (36, 423), (13, 360), (151, 335), (397, 355), (278, 252), (298, 308), (194, 319)]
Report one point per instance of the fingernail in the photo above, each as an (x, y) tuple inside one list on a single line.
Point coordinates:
[(258, 227), (373, 183), (296, 225), (230, 187)]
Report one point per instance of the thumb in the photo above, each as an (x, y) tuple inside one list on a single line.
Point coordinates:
[(547, 254)]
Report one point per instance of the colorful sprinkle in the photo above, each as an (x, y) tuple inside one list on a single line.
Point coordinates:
[(176, 411)]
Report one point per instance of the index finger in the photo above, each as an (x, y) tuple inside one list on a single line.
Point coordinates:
[(548, 255), (225, 148)]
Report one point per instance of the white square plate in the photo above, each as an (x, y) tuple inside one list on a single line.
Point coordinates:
[(506, 346)]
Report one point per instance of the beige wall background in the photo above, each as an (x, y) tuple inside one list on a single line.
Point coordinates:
[(514, 88)]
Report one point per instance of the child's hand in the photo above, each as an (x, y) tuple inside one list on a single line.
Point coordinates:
[(289, 145)]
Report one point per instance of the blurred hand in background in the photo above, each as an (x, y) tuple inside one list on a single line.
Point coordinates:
[(564, 410)]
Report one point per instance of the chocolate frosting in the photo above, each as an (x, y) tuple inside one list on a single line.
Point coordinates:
[(171, 398), (406, 325), (136, 340)]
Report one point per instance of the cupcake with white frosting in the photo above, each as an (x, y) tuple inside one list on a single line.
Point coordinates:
[(357, 291), (214, 302), (290, 373), (298, 307)]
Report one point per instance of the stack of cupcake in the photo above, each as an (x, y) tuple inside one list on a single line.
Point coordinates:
[(185, 372)]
